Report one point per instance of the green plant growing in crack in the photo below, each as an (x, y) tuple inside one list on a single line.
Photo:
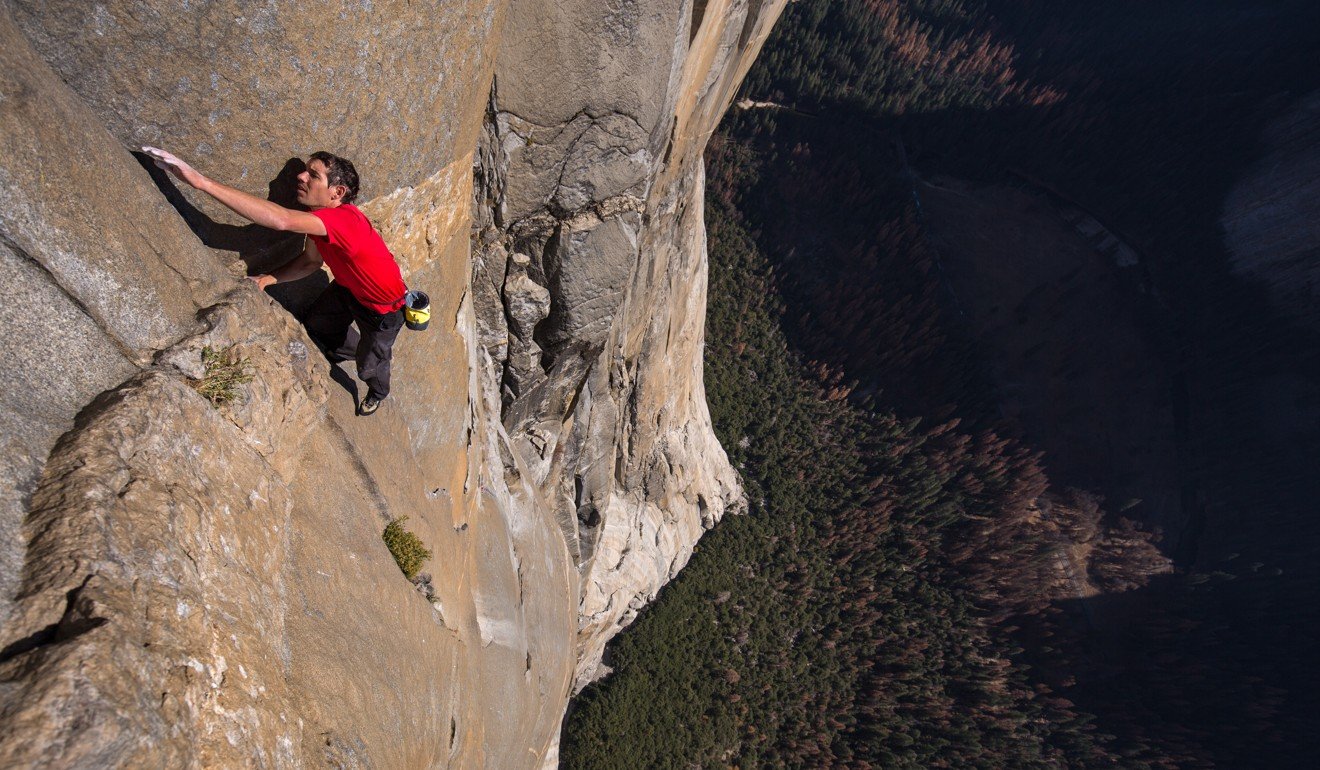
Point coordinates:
[(226, 373), (407, 549)]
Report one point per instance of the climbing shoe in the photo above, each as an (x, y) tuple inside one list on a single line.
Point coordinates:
[(368, 406)]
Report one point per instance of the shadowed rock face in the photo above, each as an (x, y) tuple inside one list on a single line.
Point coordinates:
[(1271, 217), (189, 585)]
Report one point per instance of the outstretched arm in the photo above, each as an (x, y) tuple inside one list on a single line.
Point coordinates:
[(306, 263), (258, 210)]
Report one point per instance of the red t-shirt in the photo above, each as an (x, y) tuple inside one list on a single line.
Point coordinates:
[(359, 259)]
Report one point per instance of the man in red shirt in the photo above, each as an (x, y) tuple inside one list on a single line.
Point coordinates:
[(368, 288)]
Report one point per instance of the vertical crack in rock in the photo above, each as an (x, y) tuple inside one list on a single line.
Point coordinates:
[(76, 620)]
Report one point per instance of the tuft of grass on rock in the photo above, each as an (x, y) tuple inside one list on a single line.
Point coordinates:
[(226, 372), (407, 549)]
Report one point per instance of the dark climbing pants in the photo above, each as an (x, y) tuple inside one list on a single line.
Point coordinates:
[(329, 323)]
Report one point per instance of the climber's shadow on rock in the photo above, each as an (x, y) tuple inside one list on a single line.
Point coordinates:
[(261, 249), (345, 379)]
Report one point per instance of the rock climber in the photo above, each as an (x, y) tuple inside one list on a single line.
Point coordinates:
[(368, 288)]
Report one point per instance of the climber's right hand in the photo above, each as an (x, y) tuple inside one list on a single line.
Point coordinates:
[(262, 281), (173, 164)]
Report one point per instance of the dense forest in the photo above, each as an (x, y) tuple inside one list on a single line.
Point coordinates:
[(913, 586)]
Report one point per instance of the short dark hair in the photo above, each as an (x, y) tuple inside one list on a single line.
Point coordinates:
[(338, 171)]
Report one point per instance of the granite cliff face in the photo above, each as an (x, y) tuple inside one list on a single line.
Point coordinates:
[(186, 585), (590, 280)]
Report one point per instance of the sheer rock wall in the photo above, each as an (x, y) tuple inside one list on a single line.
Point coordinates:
[(589, 279), (186, 585)]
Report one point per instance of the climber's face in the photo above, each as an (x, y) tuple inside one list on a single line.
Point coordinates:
[(315, 190)]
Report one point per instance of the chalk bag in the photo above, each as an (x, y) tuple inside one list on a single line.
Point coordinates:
[(416, 310)]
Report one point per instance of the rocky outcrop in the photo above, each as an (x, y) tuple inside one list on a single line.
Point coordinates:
[(193, 585)]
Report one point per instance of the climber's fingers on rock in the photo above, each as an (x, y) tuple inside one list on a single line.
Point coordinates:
[(161, 155), (165, 160), (173, 164)]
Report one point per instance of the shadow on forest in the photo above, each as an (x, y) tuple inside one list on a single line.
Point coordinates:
[(1231, 652), (1218, 331), (1167, 665)]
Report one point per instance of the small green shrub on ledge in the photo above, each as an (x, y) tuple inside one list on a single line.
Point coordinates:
[(406, 548), (225, 373)]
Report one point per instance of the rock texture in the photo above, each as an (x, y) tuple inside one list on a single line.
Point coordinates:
[(186, 585), (94, 284), (1271, 217), (238, 88)]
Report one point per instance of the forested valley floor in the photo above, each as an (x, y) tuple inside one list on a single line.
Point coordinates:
[(916, 585)]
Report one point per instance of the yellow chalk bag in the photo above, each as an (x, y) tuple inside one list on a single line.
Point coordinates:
[(416, 310)]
